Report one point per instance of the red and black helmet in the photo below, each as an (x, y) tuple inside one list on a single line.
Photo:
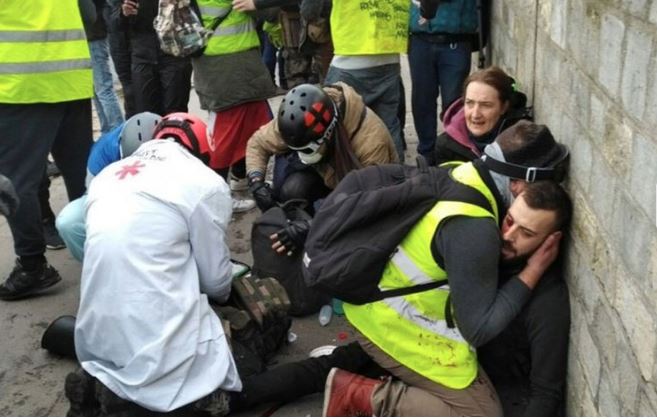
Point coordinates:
[(307, 115), (188, 130)]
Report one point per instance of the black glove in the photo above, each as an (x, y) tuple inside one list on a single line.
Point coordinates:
[(262, 194), (8, 198), (294, 234)]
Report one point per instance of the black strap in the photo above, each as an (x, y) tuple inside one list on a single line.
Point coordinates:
[(408, 290), (529, 174), (216, 21)]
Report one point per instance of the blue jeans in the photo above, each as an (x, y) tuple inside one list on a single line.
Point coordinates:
[(71, 226), (379, 87), (436, 69), (105, 100)]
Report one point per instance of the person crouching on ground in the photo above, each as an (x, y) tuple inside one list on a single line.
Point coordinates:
[(318, 136)]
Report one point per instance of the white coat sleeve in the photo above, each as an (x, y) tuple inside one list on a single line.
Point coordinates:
[(208, 225)]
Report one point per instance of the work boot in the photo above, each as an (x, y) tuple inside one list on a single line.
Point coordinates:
[(80, 390), (22, 283), (348, 394)]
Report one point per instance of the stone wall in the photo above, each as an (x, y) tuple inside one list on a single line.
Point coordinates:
[(590, 68)]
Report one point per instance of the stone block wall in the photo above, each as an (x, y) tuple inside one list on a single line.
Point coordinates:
[(590, 69)]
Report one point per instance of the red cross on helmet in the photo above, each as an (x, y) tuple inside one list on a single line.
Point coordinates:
[(307, 118), (188, 130)]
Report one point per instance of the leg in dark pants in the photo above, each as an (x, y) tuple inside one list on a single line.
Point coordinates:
[(175, 75), (305, 184), (120, 51), (291, 381), (148, 95), (28, 133), (72, 145), (44, 198)]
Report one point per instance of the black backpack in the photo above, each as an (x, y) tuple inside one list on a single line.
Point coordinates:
[(361, 223), (286, 269)]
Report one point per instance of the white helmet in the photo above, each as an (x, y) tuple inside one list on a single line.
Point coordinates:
[(136, 131)]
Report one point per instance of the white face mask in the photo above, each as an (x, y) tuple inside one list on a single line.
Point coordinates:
[(310, 153), (502, 182)]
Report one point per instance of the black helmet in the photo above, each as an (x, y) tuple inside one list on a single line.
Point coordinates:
[(306, 115)]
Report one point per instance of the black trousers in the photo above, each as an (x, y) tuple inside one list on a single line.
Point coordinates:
[(119, 47), (44, 199), (29, 133), (287, 382), (282, 384), (161, 86)]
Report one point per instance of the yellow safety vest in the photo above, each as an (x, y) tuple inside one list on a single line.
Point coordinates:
[(44, 56), (412, 328), (370, 27), (236, 33)]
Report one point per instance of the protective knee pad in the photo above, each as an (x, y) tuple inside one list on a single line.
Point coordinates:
[(306, 184), (59, 337)]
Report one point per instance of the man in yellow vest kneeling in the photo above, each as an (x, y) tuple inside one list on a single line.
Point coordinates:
[(427, 340)]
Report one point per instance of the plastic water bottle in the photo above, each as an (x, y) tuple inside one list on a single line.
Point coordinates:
[(337, 306), (325, 314)]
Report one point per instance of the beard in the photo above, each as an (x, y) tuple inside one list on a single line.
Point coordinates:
[(515, 261)]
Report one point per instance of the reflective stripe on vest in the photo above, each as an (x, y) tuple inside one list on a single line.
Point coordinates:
[(45, 55), (235, 33), (365, 28), (412, 328)]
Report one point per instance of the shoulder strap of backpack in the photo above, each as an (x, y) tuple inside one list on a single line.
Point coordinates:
[(216, 21), (408, 290)]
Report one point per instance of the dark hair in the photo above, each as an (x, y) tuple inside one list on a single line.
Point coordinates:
[(550, 196), (496, 78), (529, 144)]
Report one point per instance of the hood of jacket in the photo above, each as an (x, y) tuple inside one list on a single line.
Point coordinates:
[(454, 124), (350, 105)]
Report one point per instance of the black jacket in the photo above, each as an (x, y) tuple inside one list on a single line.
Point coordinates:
[(97, 30), (528, 361)]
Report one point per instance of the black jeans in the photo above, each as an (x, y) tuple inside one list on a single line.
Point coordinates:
[(119, 46), (29, 133), (288, 382), (161, 82), (282, 384), (47, 215)]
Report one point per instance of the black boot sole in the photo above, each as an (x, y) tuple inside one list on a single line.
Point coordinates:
[(32, 291)]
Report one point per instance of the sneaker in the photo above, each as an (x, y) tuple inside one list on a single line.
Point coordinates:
[(22, 283), (243, 205), (51, 235), (239, 184)]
